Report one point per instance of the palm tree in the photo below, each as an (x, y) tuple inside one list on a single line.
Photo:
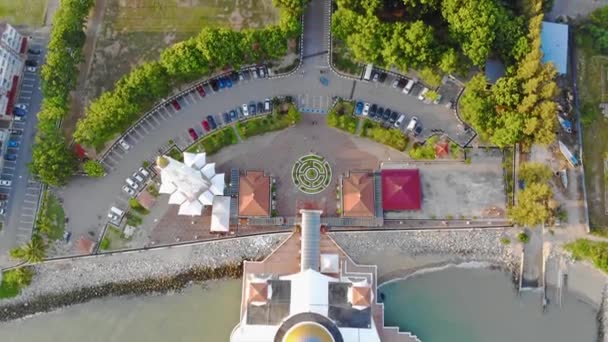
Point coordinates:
[(33, 251)]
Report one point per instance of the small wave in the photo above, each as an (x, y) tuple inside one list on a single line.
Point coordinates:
[(466, 264)]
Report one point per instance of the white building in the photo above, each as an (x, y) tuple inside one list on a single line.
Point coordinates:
[(191, 184), (11, 66)]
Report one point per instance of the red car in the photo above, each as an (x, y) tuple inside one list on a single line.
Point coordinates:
[(206, 125), (176, 105), (193, 134), (201, 90)]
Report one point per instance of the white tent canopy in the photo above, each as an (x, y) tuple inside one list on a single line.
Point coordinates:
[(208, 170), (193, 160), (218, 184), (177, 198), (220, 214), (206, 198), (193, 208)]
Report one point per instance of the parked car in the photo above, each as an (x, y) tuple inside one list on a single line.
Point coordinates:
[(201, 90), (241, 76), (3, 197), (412, 124), (234, 76), (393, 118), (128, 190), (5, 182), (233, 115), (138, 178), (400, 121), (193, 134), (226, 117), (133, 184), (31, 62), (417, 130), (408, 87), (30, 69), (365, 111), (422, 93), (19, 111), (16, 131), (396, 83), (19, 118), (66, 236), (438, 99), (176, 104), (260, 107), (125, 146), (221, 83), (13, 143), (267, 105), (262, 72), (252, 108), (380, 113), (382, 77), (211, 121), (22, 106), (373, 110), (214, 85), (254, 72), (228, 82), (245, 109), (33, 51), (144, 172), (386, 115), (10, 156), (359, 108), (376, 77), (206, 125)]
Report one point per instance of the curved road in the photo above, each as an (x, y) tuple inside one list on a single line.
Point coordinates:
[(87, 201)]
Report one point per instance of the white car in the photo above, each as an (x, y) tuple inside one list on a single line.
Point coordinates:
[(395, 83), (366, 109), (128, 190), (132, 183), (5, 182), (31, 69), (124, 144), (144, 172), (138, 178), (245, 109), (21, 105), (423, 93), (19, 118), (412, 125)]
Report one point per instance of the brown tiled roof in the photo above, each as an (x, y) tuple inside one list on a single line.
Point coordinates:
[(358, 194), (254, 194), (442, 149), (258, 292), (146, 199), (362, 295), (85, 245)]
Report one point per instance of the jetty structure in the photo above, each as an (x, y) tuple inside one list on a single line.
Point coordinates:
[(309, 289)]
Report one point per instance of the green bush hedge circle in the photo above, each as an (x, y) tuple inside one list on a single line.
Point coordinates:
[(311, 174)]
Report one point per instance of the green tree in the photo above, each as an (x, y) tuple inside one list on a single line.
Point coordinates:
[(533, 172), (597, 27), (367, 41), (449, 61), (94, 168), (183, 60), (294, 114), (410, 45), (533, 205), (344, 23), (32, 252), (52, 161)]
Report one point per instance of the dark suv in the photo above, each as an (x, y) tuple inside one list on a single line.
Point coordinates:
[(393, 118), (372, 110), (386, 115)]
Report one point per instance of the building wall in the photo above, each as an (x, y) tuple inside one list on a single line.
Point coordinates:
[(11, 62)]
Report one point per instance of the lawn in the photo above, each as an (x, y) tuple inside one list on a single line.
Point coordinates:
[(262, 125), (113, 239), (51, 221), (388, 136), (592, 91), (23, 12), (214, 142), (137, 31)]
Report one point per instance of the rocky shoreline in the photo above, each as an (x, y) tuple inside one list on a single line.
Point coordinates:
[(396, 253)]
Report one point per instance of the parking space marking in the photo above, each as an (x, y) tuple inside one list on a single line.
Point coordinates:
[(151, 117), (193, 97), (28, 85), (164, 116), (26, 91), (168, 112), (142, 127), (139, 135), (112, 159), (186, 100)]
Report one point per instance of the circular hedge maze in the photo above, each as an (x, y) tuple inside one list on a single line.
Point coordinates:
[(311, 174)]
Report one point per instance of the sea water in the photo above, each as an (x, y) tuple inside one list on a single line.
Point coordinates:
[(482, 305)]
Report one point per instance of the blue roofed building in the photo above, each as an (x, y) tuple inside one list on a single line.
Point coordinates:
[(554, 44)]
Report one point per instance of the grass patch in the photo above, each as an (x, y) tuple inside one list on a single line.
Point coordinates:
[(214, 142), (133, 219), (592, 66), (23, 12), (135, 205), (426, 150), (341, 116), (594, 251), (51, 221), (176, 154), (113, 239), (261, 125), (507, 167), (13, 281), (391, 137)]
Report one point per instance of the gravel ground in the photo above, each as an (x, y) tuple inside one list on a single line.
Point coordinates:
[(67, 275)]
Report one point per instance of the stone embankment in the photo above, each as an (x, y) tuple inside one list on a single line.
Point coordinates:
[(72, 281), (602, 318)]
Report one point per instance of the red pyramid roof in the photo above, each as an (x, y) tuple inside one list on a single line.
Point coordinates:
[(401, 189)]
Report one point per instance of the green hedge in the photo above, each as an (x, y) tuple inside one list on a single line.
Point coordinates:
[(212, 49), (388, 136), (214, 142), (341, 117), (13, 281)]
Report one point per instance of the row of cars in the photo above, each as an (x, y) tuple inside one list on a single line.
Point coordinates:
[(388, 116), (245, 110), (136, 182)]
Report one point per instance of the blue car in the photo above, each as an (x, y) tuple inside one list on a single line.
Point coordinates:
[(228, 82), (359, 108), (226, 117), (13, 143), (221, 83), (211, 121), (11, 157), (233, 115), (19, 111)]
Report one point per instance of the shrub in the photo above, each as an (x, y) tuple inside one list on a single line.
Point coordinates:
[(594, 251), (391, 137), (135, 205), (94, 168), (505, 240), (13, 281), (104, 245), (523, 237), (153, 190), (133, 220)]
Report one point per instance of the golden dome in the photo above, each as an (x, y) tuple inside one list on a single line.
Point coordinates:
[(308, 331)]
